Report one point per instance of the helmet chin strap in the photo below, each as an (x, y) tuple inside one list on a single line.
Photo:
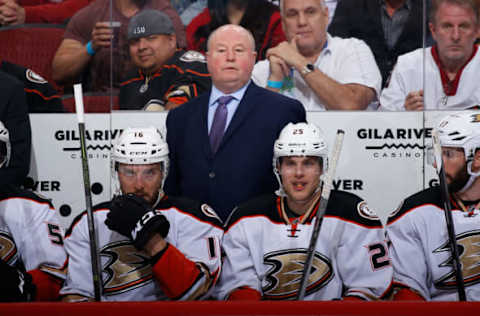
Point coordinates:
[(473, 177)]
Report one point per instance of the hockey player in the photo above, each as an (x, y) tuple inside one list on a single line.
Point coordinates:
[(266, 239), (166, 77), (152, 247), (420, 251), (32, 258)]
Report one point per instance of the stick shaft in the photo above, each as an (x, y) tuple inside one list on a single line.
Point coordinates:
[(326, 189), (449, 219), (96, 270)]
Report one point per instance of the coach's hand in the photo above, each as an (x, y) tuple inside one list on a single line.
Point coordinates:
[(133, 217)]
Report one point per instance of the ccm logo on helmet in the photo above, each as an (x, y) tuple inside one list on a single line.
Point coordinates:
[(138, 153), (143, 221)]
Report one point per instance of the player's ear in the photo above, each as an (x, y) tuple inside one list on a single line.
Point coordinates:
[(476, 161), (173, 40)]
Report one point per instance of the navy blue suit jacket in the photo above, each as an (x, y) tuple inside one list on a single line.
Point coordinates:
[(242, 167)]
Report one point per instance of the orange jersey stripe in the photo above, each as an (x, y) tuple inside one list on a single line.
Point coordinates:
[(55, 96), (175, 273)]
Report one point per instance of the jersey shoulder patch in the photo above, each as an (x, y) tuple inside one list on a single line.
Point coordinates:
[(351, 207), (199, 210), (264, 205), (34, 77), (428, 196), (193, 56)]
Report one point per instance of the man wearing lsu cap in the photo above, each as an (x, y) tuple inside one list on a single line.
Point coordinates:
[(166, 77)]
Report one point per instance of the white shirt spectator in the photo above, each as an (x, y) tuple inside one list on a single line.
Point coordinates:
[(348, 61), (440, 93)]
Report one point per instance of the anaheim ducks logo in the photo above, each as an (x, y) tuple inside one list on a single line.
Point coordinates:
[(8, 250), (127, 268), (284, 277), (208, 211), (365, 212), (469, 253)]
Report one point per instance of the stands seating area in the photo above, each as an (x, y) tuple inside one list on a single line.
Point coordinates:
[(92, 101), (32, 46)]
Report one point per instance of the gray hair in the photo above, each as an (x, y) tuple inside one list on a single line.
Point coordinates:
[(467, 4), (282, 4), (235, 26)]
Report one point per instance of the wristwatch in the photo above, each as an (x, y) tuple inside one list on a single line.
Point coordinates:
[(308, 68)]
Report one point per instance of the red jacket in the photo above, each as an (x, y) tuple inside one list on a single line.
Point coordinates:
[(45, 11), (273, 36)]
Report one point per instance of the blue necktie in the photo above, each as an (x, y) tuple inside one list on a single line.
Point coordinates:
[(219, 122)]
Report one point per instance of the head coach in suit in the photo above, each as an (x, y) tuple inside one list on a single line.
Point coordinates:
[(221, 142)]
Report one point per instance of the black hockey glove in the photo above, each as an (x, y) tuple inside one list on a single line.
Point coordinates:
[(15, 285), (133, 217)]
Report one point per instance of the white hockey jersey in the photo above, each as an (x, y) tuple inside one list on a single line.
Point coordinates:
[(420, 250), (188, 269), (265, 251), (30, 234), (440, 93)]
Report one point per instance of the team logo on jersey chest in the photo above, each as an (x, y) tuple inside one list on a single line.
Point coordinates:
[(469, 253), (8, 250), (126, 269), (284, 277)]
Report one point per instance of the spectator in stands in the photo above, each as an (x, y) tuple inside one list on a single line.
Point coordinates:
[(258, 16), (39, 11), (221, 142), (89, 37), (166, 77), (452, 65), (390, 28), (191, 11), (14, 115), (331, 5), (41, 97), (321, 71)]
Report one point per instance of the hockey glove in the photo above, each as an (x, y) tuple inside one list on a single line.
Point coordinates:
[(15, 285), (134, 218)]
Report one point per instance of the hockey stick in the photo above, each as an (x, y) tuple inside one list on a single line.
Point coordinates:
[(326, 189), (448, 216), (96, 271)]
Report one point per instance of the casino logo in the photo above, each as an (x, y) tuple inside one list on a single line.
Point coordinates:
[(98, 142), (396, 143)]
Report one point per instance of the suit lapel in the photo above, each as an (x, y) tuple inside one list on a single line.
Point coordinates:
[(203, 125), (247, 104)]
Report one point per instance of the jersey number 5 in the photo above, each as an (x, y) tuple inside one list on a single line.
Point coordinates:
[(55, 234)]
